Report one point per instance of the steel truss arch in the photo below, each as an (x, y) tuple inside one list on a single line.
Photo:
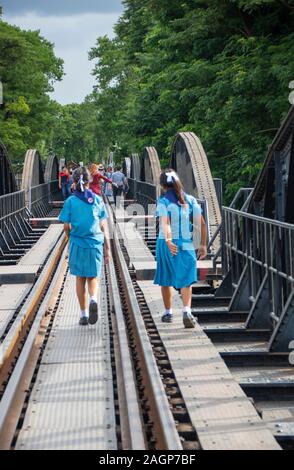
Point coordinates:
[(150, 166), (33, 173), (135, 167), (190, 161), (51, 169)]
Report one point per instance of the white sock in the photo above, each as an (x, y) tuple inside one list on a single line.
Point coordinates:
[(188, 310), (93, 298), (169, 311), (84, 313)]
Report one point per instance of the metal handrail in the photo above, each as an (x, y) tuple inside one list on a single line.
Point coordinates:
[(259, 253)]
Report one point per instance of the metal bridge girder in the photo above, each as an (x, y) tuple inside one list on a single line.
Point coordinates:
[(51, 169), (190, 161), (150, 166), (127, 167), (273, 195), (135, 167), (33, 173)]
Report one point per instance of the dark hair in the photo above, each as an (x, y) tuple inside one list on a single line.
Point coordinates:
[(118, 168), (84, 172), (176, 184)]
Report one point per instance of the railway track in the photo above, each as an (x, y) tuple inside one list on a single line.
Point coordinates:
[(149, 409), (147, 402), (266, 378)]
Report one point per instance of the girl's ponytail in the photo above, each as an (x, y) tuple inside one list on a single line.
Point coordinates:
[(170, 180), (81, 177)]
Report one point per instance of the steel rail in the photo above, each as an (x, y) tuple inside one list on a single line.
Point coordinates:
[(15, 394), (132, 434), (17, 331)]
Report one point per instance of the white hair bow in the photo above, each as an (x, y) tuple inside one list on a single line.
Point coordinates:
[(171, 175), (82, 184)]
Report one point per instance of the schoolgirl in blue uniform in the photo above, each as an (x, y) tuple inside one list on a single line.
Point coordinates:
[(175, 251), (84, 216)]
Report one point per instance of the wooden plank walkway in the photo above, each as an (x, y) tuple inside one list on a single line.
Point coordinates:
[(223, 416)]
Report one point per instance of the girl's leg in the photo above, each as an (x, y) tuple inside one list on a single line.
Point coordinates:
[(186, 293), (167, 297), (188, 318), (93, 287), (81, 292), (93, 292), (167, 300)]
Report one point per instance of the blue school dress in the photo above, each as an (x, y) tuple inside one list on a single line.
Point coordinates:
[(181, 270), (85, 211)]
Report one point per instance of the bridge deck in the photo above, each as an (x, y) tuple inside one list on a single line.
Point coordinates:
[(72, 404), (11, 297), (225, 419), (27, 269), (141, 258), (40, 251)]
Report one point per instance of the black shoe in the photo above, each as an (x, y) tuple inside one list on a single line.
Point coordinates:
[(93, 313), (83, 321), (167, 318), (189, 321)]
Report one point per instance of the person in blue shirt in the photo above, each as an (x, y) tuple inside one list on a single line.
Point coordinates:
[(84, 216), (178, 213)]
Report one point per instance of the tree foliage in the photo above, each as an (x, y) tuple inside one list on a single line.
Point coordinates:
[(74, 133), (219, 67), (28, 70)]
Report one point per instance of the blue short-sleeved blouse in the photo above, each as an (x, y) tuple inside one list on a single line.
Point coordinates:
[(85, 221), (181, 218)]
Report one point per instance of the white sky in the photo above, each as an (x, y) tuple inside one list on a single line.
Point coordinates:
[(73, 36)]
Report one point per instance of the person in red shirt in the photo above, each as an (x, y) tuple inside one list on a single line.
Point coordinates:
[(95, 185), (64, 182)]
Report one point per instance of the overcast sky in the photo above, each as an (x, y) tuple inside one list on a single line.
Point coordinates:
[(73, 26)]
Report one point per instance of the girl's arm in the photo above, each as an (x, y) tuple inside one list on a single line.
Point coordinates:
[(202, 250), (104, 228), (166, 229), (67, 229), (105, 178)]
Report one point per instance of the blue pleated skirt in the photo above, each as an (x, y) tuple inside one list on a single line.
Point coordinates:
[(175, 271), (85, 262)]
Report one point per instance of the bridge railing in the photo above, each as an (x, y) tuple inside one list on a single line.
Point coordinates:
[(39, 197), (241, 199), (11, 203), (259, 254), (16, 209), (13, 215)]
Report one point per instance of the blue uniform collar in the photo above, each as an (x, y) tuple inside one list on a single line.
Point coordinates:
[(171, 196), (87, 196)]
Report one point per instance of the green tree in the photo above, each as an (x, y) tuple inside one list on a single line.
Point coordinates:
[(220, 68), (28, 70)]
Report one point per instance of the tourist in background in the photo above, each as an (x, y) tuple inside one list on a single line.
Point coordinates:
[(120, 184), (97, 176), (108, 187), (64, 184)]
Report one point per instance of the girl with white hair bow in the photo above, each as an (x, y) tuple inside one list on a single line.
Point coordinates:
[(84, 216), (178, 213)]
